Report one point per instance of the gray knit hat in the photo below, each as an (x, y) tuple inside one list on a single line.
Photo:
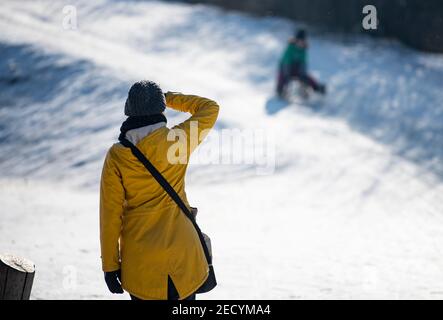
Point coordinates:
[(145, 98)]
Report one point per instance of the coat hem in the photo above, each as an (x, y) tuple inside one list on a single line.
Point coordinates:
[(196, 288), (186, 295)]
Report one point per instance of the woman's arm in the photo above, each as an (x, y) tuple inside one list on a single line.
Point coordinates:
[(112, 197), (204, 115)]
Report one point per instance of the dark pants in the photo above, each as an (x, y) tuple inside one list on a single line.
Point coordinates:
[(294, 72), (172, 292)]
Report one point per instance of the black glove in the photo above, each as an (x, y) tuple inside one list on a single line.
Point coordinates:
[(113, 281)]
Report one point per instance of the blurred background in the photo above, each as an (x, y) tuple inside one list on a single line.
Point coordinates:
[(353, 205), (414, 22)]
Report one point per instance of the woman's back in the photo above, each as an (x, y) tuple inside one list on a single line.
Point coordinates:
[(156, 238)]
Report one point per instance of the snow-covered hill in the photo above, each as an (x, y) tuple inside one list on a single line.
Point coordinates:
[(353, 209)]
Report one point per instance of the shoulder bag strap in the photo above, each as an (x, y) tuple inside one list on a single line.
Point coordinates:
[(169, 189)]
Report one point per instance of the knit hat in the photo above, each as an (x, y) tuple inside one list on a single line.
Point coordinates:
[(145, 98), (300, 34)]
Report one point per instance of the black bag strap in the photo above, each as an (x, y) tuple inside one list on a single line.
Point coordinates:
[(170, 191)]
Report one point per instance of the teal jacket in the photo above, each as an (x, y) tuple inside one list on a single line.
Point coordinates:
[(294, 55)]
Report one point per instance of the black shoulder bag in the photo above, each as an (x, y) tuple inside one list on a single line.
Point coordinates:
[(211, 282)]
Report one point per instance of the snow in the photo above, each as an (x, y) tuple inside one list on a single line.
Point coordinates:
[(352, 209)]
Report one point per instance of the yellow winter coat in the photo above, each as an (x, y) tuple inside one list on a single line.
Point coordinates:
[(142, 230)]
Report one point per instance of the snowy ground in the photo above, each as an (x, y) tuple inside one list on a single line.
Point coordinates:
[(353, 209)]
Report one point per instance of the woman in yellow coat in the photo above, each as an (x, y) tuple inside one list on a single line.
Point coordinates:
[(148, 246)]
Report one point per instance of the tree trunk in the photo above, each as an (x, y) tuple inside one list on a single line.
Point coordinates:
[(16, 277)]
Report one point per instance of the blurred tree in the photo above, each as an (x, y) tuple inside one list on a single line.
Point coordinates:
[(417, 23)]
